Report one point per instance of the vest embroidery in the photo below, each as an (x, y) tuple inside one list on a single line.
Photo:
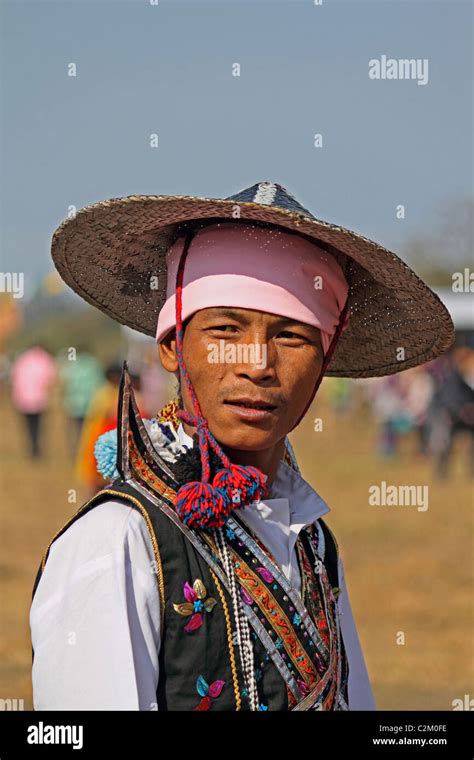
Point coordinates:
[(196, 603), (208, 692)]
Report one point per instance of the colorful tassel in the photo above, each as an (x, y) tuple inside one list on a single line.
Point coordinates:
[(201, 505), (241, 484)]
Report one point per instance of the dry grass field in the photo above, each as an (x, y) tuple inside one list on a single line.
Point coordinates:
[(407, 571)]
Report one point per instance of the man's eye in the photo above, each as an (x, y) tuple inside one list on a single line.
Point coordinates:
[(223, 328), (292, 335)]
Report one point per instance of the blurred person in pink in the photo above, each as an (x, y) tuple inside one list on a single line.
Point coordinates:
[(33, 373)]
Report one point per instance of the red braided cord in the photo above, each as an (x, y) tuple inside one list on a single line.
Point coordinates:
[(197, 420)]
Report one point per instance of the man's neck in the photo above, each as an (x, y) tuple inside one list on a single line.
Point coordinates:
[(267, 460)]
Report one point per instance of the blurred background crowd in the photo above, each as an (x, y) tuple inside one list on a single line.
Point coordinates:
[(86, 390), (431, 405)]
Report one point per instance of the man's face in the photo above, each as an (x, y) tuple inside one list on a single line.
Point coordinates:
[(253, 373)]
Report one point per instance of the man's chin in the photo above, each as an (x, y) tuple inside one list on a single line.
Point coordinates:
[(246, 437), (253, 447)]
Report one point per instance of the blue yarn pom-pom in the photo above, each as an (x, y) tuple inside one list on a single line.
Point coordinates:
[(105, 452)]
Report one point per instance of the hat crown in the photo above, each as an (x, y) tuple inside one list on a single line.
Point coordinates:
[(270, 194)]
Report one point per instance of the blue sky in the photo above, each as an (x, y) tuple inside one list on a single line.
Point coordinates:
[(167, 69)]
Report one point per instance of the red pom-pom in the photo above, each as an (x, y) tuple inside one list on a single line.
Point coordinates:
[(259, 490), (202, 505), (241, 484)]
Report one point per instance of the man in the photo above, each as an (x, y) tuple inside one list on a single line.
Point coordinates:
[(204, 577)]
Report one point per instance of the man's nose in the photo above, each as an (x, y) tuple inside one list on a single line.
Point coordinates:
[(255, 360)]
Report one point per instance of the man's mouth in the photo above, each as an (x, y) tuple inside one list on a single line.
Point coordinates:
[(251, 409), (249, 404)]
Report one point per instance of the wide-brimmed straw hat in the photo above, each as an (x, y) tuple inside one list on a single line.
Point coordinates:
[(113, 254)]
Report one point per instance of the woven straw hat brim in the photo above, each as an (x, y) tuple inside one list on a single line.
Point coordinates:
[(113, 254)]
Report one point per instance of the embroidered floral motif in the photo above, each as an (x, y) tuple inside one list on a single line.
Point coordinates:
[(208, 693), (196, 601), (265, 574), (303, 687), (245, 596)]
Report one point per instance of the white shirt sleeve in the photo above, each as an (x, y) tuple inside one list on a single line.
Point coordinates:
[(359, 689), (95, 616)]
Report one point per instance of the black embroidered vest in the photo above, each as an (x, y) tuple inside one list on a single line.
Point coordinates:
[(209, 651), (299, 654)]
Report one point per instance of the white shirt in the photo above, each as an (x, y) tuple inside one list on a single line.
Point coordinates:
[(95, 616)]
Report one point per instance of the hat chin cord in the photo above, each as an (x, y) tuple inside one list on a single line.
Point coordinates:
[(202, 504)]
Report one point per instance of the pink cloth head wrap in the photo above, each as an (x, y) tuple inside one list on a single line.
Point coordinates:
[(241, 265)]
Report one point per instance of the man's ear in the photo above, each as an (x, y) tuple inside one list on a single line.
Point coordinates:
[(167, 352)]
